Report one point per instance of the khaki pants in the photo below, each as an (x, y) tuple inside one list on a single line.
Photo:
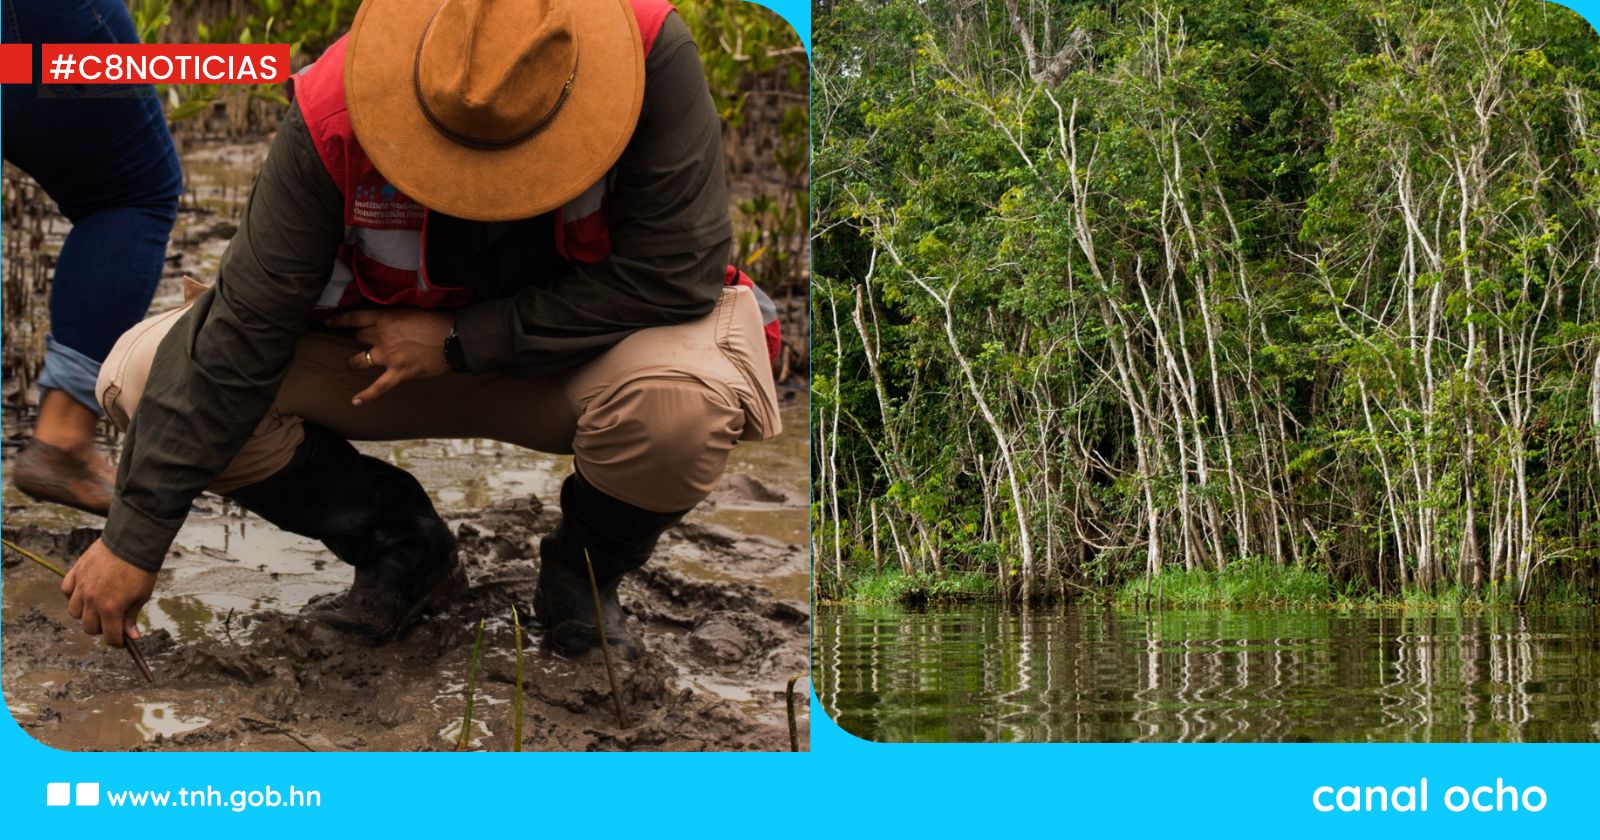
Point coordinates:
[(649, 422)]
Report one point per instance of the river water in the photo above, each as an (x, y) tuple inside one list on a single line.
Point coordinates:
[(1093, 674)]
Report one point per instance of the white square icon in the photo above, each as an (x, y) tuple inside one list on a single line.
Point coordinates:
[(88, 793), (58, 793)]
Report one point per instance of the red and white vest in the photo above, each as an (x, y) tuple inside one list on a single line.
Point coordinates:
[(383, 259)]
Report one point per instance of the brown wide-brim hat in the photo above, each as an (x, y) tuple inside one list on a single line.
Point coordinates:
[(494, 110)]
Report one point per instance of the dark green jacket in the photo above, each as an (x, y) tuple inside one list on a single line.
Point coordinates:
[(533, 314)]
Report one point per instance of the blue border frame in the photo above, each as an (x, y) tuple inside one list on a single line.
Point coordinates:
[(844, 786)]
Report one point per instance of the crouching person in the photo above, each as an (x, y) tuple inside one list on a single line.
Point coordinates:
[(502, 219)]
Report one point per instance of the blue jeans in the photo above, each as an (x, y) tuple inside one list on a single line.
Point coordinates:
[(104, 154)]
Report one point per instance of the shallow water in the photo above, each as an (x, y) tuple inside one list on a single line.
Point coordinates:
[(1098, 674)]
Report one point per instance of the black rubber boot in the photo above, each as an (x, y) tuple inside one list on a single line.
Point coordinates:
[(370, 514), (619, 538)]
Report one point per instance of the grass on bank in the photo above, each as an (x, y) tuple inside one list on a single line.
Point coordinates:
[(1257, 583), (897, 588), (1262, 583), (1243, 584)]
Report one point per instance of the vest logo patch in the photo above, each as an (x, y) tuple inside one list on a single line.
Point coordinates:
[(383, 206)]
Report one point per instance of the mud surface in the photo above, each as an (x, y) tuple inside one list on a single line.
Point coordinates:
[(237, 666), (722, 607)]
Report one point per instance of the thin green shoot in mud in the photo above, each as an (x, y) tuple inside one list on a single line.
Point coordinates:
[(128, 644), (59, 572), (472, 687), (794, 728), (605, 644), (516, 698)]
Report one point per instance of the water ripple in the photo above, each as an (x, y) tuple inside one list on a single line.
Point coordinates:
[(1093, 674)]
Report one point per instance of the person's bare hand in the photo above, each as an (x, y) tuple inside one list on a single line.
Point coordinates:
[(106, 593), (406, 343)]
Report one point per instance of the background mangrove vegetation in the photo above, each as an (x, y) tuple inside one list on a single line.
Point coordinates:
[(1255, 293)]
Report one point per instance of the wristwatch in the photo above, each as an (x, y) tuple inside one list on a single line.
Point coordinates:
[(453, 355)]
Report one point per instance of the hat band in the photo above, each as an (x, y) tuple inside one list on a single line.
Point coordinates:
[(440, 126)]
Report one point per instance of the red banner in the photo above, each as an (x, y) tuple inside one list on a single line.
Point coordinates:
[(123, 64), (16, 64)]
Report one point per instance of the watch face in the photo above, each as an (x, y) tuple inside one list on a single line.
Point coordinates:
[(452, 353)]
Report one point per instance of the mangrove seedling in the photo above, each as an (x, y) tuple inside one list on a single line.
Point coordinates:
[(516, 698), (605, 644), (472, 688), (794, 728)]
